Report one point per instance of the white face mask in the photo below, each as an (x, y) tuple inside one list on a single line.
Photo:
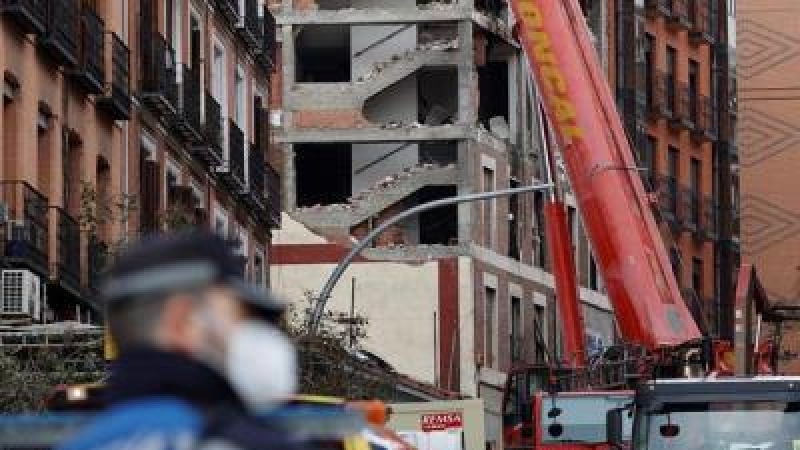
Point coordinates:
[(261, 365)]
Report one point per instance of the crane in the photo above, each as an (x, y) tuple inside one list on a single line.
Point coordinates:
[(649, 307)]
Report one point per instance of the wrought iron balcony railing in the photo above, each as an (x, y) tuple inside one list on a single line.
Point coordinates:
[(701, 18), (60, 39), (186, 122), (116, 97), (679, 14), (29, 15), (158, 87), (66, 266), (24, 233), (274, 202), (654, 8), (229, 10), (689, 212), (703, 117), (211, 128), (90, 70), (256, 195), (666, 189), (248, 27), (267, 52), (660, 95), (232, 171), (681, 106)]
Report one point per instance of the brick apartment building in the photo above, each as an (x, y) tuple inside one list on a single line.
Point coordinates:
[(769, 140), (672, 71), (123, 117)]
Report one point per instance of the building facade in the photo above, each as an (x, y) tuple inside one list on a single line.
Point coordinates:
[(387, 104), (769, 137), (126, 117), (672, 71)]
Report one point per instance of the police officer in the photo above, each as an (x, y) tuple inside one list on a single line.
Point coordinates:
[(199, 351)]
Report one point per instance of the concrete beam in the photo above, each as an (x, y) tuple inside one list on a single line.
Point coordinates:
[(374, 16), (375, 134)]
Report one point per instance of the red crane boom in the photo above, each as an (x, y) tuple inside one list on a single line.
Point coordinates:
[(627, 244)]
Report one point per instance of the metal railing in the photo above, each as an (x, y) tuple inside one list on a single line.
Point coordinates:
[(67, 263), (703, 113), (24, 233), (690, 208), (681, 105), (116, 99), (274, 204), (234, 173), (657, 7), (249, 26), (212, 130), (229, 10), (187, 120), (60, 37), (267, 52), (30, 14), (701, 19), (90, 70), (157, 79), (667, 190), (257, 179), (679, 13), (660, 95)]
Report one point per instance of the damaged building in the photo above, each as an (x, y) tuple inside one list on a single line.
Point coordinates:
[(387, 104)]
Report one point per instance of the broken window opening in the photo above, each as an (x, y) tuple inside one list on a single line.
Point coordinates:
[(323, 173), (438, 226), (493, 110), (438, 96), (323, 54)]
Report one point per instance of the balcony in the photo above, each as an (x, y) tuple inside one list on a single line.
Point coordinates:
[(60, 39), (24, 230), (232, 171), (255, 197), (655, 8), (98, 259), (90, 70), (186, 122), (116, 97), (229, 10), (66, 268), (29, 15), (679, 15), (704, 119), (681, 107), (210, 149), (690, 208), (666, 190), (700, 18), (267, 53), (158, 87), (274, 206), (248, 26), (659, 93), (709, 227)]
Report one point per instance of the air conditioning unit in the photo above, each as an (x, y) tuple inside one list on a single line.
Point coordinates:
[(21, 294)]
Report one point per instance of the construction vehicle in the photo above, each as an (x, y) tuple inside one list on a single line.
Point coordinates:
[(668, 353)]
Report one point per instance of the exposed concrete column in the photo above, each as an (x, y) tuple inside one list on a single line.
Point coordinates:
[(288, 69), (466, 177), (467, 80)]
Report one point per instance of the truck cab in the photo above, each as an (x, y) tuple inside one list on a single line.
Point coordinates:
[(702, 413)]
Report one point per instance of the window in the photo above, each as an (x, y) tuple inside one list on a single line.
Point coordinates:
[(221, 222), (695, 186), (241, 99), (693, 91), (539, 327), (488, 209), (171, 181), (649, 65), (172, 25), (516, 329), (540, 245), (218, 76), (697, 276), (673, 162), (671, 78), (259, 268), (196, 40), (513, 223), (647, 161), (490, 338)]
